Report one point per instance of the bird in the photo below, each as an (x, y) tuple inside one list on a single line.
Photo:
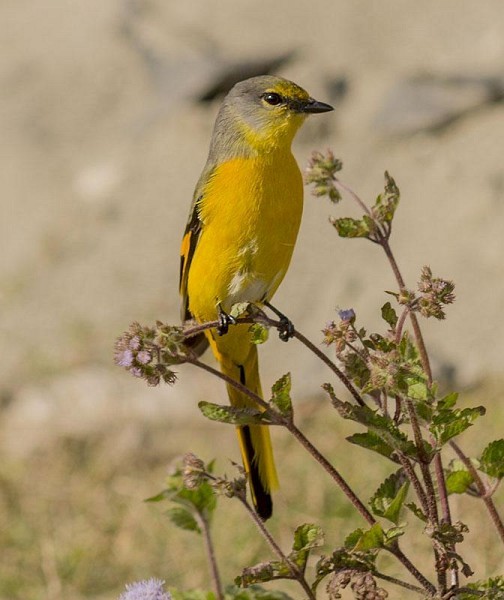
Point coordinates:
[(239, 239)]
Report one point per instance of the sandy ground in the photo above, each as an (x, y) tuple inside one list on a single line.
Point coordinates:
[(103, 140)]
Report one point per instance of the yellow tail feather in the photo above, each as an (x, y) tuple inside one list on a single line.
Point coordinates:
[(255, 441)]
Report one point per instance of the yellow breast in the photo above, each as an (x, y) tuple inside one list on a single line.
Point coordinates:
[(251, 210)]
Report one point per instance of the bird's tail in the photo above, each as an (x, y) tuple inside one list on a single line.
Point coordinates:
[(255, 441)]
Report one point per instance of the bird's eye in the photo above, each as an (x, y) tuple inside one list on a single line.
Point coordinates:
[(272, 98)]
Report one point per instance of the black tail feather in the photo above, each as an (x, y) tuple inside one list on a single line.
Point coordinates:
[(260, 496)]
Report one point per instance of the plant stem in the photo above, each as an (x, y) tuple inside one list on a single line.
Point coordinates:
[(293, 568), (263, 318), (214, 570), (325, 464), (412, 476), (384, 243), (341, 376), (424, 464), (397, 552), (489, 503), (429, 486), (404, 584)]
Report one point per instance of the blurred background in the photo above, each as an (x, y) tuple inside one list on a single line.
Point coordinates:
[(106, 112)]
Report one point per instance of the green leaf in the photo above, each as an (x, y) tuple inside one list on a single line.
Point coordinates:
[(360, 540), (383, 427), (202, 498), (183, 519), (457, 482), (448, 401), (165, 494), (389, 314), (353, 228), (264, 572), (390, 496), (393, 533), (386, 203), (372, 441), (233, 414), (306, 537), (280, 398), (448, 423), (258, 333), (493, 589), (492, 459)]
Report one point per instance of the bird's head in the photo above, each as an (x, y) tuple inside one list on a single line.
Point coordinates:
[(265, 112)]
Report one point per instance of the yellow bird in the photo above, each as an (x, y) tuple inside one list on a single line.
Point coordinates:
[(239, 239)]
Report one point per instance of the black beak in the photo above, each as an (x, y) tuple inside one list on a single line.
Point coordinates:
[(314, 106)]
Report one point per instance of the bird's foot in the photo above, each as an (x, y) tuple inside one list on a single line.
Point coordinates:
[(285, 326), (225, 321)]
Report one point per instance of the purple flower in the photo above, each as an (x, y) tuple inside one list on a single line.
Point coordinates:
[(144, 357), (134, 343), (150, 589), (347, 314), (124, 358)]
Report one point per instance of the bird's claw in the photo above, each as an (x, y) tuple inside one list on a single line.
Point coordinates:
[(225, 321), (285, 329), (285, 326)]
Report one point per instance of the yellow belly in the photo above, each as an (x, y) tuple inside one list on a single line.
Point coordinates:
[(251, 213)]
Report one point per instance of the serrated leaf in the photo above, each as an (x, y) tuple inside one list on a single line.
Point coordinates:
[(361, 541), (457, 482), (417, 511), (492, 459), (448, 423), (308, 536), (393, 533), (159, 497), (493, 589), (371, 441), (203, 498), (389, 497), (258, 333), (389, 314), (352, 228), (382, 426), (448, 401), (280, 398), (183, 519), (386, 203), (264, 572), (233, 414)]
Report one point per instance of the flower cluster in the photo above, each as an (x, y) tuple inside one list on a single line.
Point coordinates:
[(320, 171), (193, 471), (343, 333), (434, 294), (150, 589), (363, 585), (148, 352)]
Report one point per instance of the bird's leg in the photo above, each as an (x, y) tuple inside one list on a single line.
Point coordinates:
[(285, 327), (225, 321)]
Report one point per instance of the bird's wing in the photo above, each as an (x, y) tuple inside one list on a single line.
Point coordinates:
[(192, 235), (189, 242)]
